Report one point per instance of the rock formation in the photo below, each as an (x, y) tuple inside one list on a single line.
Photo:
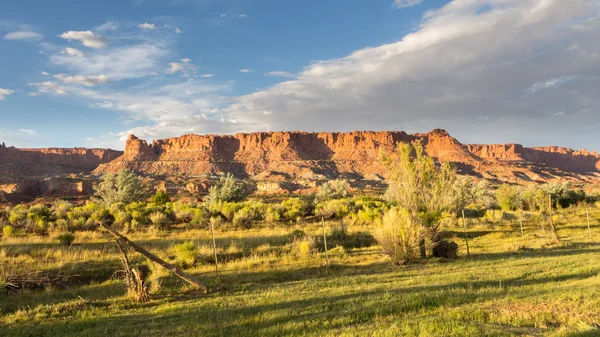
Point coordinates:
[(280, 161)]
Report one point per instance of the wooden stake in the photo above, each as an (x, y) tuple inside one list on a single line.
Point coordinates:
[(465, 229), (325, 241), (172, 268), (212, 232)]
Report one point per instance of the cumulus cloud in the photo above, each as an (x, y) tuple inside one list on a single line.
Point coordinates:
[(88, 81), (207, 75), (280, 74), (245, 70), (147, 26), (466, 60), (406, 3), (73, 52), (45, 73), (49, 87), (23, 36), (87, 38), (4, 93)]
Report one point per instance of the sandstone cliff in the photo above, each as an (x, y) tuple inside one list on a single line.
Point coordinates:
[(280, 161)]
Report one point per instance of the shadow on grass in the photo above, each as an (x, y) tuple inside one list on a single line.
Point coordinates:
[(318, 312)]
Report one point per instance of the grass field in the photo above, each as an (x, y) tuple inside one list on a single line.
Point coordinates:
[(508, 286)]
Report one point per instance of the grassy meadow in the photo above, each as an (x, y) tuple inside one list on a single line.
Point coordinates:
[(272, 285)]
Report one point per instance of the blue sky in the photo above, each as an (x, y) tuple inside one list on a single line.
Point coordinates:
[(88, 73)]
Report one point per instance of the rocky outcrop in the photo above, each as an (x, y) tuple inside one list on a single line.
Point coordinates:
[(279, 162)]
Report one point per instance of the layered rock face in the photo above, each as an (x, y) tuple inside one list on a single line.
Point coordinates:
[(279, 161), (301, 158), (46, 172)]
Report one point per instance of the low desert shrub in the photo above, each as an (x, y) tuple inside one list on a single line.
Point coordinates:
[(8, 231), (186, 254), (160, 220), (66, 239)]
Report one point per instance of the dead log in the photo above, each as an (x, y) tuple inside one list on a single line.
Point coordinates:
[(172, 268)]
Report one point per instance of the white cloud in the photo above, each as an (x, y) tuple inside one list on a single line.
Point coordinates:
[(223, 15), (441, 76), (45, 73), (245, 71), (49, 87), (30, 132), (108, 26), (147, 26), (23, 36), (73, 52), (4, 93), (116, 63), (280, 74), (185, 67), (33, 94), (406, 3), (208, 75), (242, 16), (87, 38), (88, 81)]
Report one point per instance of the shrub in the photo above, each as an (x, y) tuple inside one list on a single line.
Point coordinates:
[(8, 231), (398, 235), (186, 254), (243, 218), (339, 232), (18, 215), (61, 209), (294, 208), (199, 217), (294, 235), (62, 224), (66, 239), (333, 208), (303, 247), (160, 220), (216, 222), (183, 212), (274, 214), (161, 197), (334, 189), (338, 252), (228, 209)]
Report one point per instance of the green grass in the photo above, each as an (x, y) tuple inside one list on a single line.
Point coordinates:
[(508, 286)]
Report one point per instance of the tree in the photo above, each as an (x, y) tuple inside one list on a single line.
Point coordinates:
[(508, 197), (124, 187), (422, 191), (227, 190)]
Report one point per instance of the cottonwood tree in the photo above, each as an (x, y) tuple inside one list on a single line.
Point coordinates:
[(422, 191), (124, 187), (227, 190)]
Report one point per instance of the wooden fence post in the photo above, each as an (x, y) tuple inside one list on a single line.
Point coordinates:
[(325, 242), (587, 215), (212, 232), (521, 224)]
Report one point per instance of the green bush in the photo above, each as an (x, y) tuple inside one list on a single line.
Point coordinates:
[(8, 231), (294, 235), (334, 189), (274, 214), (243, 218), (186, 254), (160, 220), (161, 197), (338, 252), (66, 239), (337, 208), (294, 208)]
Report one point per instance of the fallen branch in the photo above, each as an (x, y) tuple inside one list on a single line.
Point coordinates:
[(172, 268)]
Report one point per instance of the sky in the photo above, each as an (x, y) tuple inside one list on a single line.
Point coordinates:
[(89, 73)]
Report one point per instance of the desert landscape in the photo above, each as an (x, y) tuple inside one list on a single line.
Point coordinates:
[(378, 168)]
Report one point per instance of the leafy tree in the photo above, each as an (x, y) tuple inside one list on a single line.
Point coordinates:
[(422, 191), (124, 187), (228, 190), (508, 197)]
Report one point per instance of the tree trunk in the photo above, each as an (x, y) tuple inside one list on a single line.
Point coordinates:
[(172, 268)]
